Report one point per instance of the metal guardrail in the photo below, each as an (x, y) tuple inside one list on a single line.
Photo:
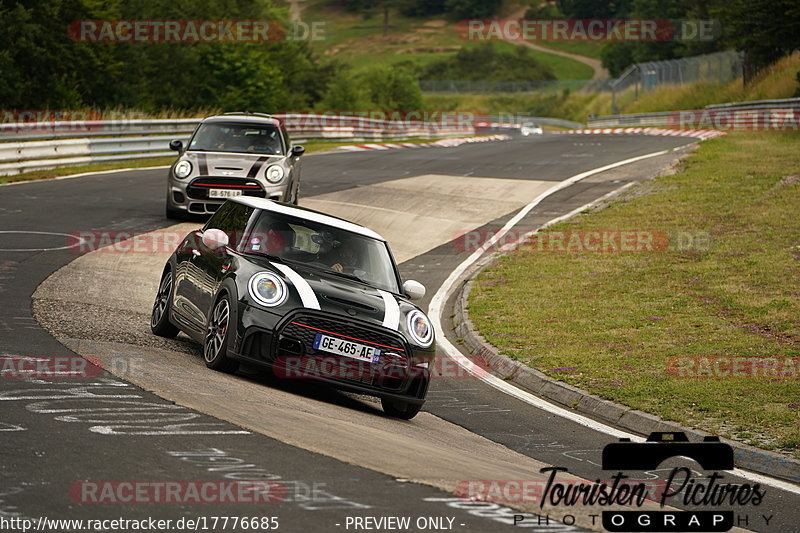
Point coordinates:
[(743, 115), (632, 120), (43, 145), (785, 103)]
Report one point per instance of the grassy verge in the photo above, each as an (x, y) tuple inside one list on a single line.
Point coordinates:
[(777, 81), (563, 104), (611, 323), (79, 169), (588, 49)]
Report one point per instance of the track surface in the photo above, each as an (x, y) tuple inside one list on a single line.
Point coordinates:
[(55, 433)]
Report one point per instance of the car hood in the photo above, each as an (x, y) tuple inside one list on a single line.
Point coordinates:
[(230, 164), (314, 289)]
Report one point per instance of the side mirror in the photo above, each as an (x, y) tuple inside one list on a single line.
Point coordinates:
[(176, 145), (215, 239), (414, 289), (298, 150)]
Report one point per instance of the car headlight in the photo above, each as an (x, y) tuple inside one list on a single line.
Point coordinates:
[(274, 173), (183, 169), (267, 289), (420, 328)]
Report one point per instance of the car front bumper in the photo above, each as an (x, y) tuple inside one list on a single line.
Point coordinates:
[(286, 346), (192, 194)]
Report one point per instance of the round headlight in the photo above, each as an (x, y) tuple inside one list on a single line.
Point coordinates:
[(267, 289), (274, 173), (420, 328), (183, 169)]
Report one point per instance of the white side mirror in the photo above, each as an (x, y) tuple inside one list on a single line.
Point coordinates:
[(214, 239), (414, 289)]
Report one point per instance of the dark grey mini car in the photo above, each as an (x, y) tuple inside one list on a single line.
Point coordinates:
[(308, 295), (231, 155)]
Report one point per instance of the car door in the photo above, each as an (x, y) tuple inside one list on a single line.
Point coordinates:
[(210, 266), (191, 279)]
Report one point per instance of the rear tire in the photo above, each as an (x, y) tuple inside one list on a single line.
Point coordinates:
[(215, 348), (159, 318), (400, 409)]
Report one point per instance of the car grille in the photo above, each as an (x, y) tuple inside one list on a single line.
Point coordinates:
[(296, 339), (198, 189)]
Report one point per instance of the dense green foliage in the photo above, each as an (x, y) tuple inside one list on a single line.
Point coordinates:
[(381, 87), (765, 30), (487, 62), (458, 9), (43, 68)]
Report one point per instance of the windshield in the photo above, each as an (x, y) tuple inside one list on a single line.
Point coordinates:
[(325, 248), (240, 138)]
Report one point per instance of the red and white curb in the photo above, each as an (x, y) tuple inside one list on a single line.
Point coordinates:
[(443, 143), (697, 134)]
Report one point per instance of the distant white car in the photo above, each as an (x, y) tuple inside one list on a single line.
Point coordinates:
[(531, 129)]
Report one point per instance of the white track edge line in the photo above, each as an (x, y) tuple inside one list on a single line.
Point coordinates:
[(435, 309)]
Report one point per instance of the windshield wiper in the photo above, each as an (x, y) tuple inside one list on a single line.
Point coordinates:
[(343, 275), (265, 255)]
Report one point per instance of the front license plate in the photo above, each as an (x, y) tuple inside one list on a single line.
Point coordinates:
[(351, 349), (223, 193)]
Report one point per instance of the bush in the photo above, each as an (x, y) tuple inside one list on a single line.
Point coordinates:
[(488, 62), (383, 88)]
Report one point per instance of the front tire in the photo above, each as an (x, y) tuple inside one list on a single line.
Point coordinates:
[(159, 318), (400, 409), (215, 348)]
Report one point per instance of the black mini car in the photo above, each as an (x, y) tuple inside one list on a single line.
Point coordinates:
[(308, 295)]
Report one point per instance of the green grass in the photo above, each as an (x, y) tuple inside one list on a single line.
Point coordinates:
[(611, 322), (94, 167), (588, 49), (567, 105), (359, 42), (777, 81), (563, 67)]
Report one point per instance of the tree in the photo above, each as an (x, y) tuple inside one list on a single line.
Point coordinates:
[(765, 30), (391, 88), (472, 9)]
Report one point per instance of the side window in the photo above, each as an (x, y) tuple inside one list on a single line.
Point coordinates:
[(217, 220), (231, 218)]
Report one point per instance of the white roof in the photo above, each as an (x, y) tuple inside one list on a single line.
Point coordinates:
[(308, 214)]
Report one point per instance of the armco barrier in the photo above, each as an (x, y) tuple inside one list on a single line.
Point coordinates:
[(42, 145), (737, 115)]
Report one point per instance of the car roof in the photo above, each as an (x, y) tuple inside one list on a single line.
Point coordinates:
[(255, 118), (305, 213)]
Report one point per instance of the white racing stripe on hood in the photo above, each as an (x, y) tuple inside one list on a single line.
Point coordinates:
[(391, 313), (306, 292)]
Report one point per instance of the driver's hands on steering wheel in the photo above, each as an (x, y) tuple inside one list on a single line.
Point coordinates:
[(337, 267)]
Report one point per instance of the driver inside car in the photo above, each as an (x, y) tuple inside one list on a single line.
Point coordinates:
[(276, 239), (345, 259)]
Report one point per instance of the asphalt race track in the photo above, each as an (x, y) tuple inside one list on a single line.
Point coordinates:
[(160, 416)]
